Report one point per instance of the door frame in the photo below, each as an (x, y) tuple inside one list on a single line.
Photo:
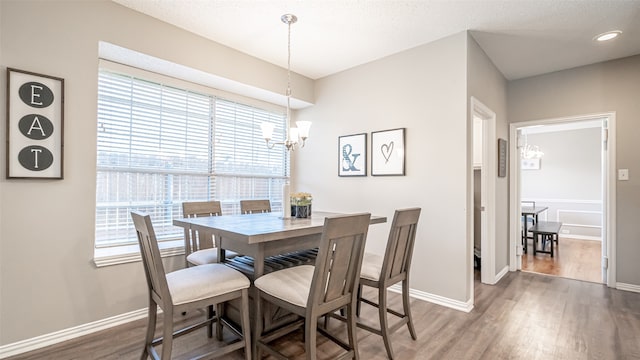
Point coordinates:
[(608, 191), (488, 193)]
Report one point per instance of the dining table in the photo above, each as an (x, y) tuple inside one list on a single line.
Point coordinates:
[(526, 212), (259, 238)]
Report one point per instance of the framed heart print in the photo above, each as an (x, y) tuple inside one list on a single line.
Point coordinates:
[(387, 152)]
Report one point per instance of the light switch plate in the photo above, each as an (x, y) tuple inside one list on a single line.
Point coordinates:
[(623, 174)]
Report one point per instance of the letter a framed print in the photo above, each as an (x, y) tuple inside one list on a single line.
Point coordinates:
[(35, 124)]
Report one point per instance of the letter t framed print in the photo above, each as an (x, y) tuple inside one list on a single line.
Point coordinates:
[(35, 125)]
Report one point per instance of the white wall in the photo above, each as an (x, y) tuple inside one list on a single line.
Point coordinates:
[(47, 278), (569, 181), (609, 86), (424, 91)]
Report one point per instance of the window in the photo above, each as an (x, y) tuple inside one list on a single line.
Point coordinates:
[(154, 151)]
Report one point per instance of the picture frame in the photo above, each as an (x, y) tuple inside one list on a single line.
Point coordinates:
[(35, 125), (502, 157), (388, 152), (352, 155)]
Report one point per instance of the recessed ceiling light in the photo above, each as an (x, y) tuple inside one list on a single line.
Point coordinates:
[(609, 35)]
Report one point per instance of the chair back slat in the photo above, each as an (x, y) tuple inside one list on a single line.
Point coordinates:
[(151, 259), (397, 259), (255, 206), (339, 260), (192, 209)]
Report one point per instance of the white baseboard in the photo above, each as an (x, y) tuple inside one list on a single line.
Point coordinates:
[(68, 334), (628, 287), (580, 237), (501, 274), (436, 299)]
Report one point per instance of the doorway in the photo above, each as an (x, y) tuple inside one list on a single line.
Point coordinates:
[(576, 187), (483, 167)]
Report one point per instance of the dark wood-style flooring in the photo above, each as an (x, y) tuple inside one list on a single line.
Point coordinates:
[(524, 316), (574, 259)]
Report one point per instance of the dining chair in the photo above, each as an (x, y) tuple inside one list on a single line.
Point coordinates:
[(198, 249), (255, 206), (189, 289), (314, 291), (381, 272)]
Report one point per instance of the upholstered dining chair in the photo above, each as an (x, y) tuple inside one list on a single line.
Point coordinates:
[(255, 206), (197, 287), (314, 291), (381, 272), (198, 249)]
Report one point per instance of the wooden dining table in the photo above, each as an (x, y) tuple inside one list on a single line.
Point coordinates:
[(261, 236)]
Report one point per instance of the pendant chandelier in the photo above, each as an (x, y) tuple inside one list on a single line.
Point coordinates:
[(529, 151), (296, 136)]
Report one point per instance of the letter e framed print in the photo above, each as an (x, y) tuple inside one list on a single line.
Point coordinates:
[(35, 124)]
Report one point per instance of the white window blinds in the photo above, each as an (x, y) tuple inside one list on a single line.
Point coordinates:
[(155, 151)]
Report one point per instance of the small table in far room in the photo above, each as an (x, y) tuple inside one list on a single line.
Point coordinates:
[(548, 232), (527, 211)]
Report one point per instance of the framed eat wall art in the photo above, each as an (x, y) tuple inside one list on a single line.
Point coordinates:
[(35, 123), (387, 152)]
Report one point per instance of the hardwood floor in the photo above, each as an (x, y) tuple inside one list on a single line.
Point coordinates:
[(524, 316), (574, 259)]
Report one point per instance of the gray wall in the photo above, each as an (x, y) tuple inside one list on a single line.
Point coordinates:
[(486, 83), (47, 278), (424, 91), (609, 86)]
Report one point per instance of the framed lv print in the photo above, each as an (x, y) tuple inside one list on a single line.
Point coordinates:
[(35, 111)]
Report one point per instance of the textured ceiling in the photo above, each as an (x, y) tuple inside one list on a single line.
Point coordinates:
[(522, 37)]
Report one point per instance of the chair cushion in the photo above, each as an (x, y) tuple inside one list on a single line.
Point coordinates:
[(207, 256), (291, 285), (204, 281), (371, 266)]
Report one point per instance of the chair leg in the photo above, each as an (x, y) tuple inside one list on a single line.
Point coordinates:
[(384, 325), (151, 328), (358, 303), (246, 327), (407, 308), (219, 315), (351, 329), (210, 314), (310, 337), (258, 326), (167, 334)]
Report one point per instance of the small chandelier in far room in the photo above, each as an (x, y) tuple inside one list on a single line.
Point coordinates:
[(530, 151), (294, 135)]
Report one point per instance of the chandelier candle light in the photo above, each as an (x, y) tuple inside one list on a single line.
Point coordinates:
[(294, 135)]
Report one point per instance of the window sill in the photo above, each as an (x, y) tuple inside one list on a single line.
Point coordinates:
[(131, 253)]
